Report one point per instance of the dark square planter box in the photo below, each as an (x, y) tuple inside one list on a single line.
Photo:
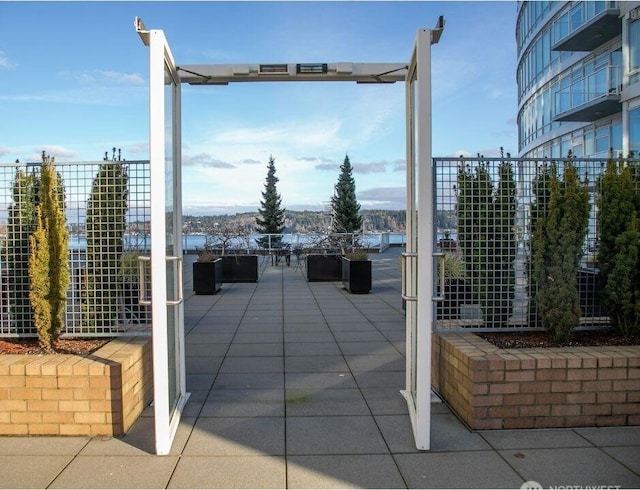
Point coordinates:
[(207, 277), (324, 267), (240, 268), (356, 275)]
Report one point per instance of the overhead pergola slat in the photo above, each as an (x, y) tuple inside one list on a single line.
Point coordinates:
[(293, 72)]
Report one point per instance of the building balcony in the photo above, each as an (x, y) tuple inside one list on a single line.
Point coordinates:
[(590, 98), (587, 35)]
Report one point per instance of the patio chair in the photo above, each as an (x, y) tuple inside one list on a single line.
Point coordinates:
[(301, 257)]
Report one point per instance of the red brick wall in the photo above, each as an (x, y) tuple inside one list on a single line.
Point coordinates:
[(492, 388)]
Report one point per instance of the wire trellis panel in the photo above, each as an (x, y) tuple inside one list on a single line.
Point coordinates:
[(107, 207), (484, 226)]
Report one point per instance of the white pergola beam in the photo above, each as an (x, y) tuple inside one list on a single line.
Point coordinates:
[(293, 72)]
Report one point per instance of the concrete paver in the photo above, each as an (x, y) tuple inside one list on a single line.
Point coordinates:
[(582, 466), (297, 385)]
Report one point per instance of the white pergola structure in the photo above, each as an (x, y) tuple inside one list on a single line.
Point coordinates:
[(165, 261)]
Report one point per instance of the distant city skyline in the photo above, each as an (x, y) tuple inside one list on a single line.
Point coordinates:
[(76, 84)]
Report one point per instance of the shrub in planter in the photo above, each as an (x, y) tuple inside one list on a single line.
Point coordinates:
[(21, 223), (622, 291), (356, 272), (557, 250), (486, 214), (618, 224), (49, 257), (105, 227)]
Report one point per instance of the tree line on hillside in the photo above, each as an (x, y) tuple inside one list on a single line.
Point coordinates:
[(312, 221), (298, 221)]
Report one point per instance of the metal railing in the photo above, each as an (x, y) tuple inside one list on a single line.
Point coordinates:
[(605, 81), (577, 15), (268, 243)]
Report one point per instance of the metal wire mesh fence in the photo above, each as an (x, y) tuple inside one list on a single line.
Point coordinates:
[(107, 208), (487, 216)]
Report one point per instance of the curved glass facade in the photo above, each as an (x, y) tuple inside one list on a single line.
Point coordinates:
[(571, 77)]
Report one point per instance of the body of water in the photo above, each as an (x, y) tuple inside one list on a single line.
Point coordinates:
[(197, 242)]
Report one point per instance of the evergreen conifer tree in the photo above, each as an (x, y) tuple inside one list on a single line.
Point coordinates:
[(486, 237), (20, 225), (49, 257), (619, 243), (344, 205), (105, 226), (557, 248), (271, 219)]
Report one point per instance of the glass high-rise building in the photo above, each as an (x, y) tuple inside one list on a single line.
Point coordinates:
[(578, 78)]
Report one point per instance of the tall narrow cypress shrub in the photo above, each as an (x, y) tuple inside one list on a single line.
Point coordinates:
[(618, 226), (271, 219), (541, 192), (486, 236), (20, 225), (49, 259), (105, 227), (557, 250)]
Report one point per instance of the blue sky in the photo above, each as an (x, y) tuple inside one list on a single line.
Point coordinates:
[(74, 82)]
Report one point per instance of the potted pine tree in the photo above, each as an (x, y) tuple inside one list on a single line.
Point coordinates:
[(356, 266)]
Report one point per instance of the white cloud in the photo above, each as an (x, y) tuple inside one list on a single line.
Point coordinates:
[(327, 166), (57, 151), (122, 78), (97, 95), (462, 153), (138, 148), (205, 160), (319, 133), (383, 197), (371, 167), (5, 63), (106, 77)]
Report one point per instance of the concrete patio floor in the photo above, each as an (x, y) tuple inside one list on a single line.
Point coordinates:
[(296, 385)]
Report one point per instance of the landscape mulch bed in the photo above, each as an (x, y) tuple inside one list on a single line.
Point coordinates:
[(580, 338), (63, 346), (504, 340)]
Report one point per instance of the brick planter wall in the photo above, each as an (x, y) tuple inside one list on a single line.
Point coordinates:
[(493, 388), (60, 394)]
